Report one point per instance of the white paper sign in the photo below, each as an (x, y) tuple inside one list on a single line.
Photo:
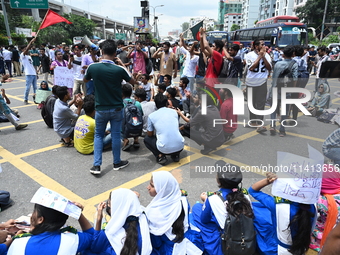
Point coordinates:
[(63, 76), (41, 95), (299, 178), (53, 200)]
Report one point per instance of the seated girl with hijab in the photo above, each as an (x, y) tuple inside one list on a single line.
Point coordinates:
[(47, 237), (210, 216), (168, 218), (42, 93), (320, 101), (127, 232), (328, 207), (284, 224)]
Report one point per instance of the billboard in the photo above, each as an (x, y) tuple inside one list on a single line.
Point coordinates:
[(141, 25)]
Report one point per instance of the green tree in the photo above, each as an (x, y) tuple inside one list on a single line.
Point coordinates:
[(80, 26), (234, 27), (312, 12), (185, 26), (332, 39)]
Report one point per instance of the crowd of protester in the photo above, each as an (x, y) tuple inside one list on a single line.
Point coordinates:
[(118, 99)]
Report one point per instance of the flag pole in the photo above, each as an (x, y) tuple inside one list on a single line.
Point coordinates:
[(42, 23), (193, 26)]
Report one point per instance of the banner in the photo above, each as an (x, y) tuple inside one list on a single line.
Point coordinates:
[(63, 76), (141, 25)]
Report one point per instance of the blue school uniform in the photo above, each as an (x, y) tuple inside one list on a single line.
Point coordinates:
[(206, 221), (50, 243), (272, 206), (3, 249), (102, 246), (162, 245)]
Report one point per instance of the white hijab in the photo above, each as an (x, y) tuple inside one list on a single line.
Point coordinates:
[(166, 206), (124, 203)]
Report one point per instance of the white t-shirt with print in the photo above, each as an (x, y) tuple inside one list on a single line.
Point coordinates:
[(27, 62), (259, 75)]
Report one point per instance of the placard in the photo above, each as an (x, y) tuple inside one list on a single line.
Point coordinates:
[(63, 76), (299, 178), (53, 200), (41, 95)]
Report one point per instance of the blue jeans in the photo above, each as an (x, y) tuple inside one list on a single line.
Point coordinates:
[(115, 117), (90, 88), (30, 79), (334, 154)]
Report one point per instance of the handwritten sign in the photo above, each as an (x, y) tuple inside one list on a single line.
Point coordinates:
[(299, 179), (63, 76), (53, 200), (41, 95)]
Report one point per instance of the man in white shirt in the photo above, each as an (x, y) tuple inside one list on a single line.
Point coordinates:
[(258, 64), (30, 72), (191, 60), (323, 57), (75, 63), (51, 53), (7, 55)]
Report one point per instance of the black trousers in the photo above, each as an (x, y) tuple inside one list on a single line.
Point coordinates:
[(150, 143), (259, 100)]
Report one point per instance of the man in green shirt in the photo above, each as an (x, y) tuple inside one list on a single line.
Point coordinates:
[(107, 78)]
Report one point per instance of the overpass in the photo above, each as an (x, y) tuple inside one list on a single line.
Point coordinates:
[(102, 23)]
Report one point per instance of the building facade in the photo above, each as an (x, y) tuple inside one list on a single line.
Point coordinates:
[(250, 13), (267, 9), (230, 19), (225, 7), (285, 7)]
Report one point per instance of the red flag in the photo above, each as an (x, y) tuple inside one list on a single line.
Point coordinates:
[(52, 18)]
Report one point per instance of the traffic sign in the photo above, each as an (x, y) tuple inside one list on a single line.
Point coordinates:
[(120, 36), (29, 4)]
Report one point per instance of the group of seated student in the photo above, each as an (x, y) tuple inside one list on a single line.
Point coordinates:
[(166, 225)]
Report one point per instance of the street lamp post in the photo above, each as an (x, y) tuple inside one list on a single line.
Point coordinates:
[(154, 21)]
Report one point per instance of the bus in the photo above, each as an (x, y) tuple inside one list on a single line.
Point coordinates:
[(217, 35), (279, 31)]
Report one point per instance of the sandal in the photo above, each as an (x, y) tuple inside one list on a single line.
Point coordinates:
[(282, 134), (261, 129), (126, 147), (69, 144), (272, 131)]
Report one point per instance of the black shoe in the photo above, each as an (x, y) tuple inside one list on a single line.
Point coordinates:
[(207, 150), (120, 165), (95, 170), (162, 160), (34, 99), (21, 126), (25, 102), (175, 158)]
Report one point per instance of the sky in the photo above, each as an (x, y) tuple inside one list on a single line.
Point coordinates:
[(174, 12)]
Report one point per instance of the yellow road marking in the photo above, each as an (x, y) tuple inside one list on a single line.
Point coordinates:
[(15, 88), (38, 176), (23, 106), (19, 98), (30, 122), (306, 137), (90, 209)]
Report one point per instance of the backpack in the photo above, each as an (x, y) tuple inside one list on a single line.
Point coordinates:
[(5, 200), (148, 65), (47, 110), (224, 69), (238, 236), (132, 124)]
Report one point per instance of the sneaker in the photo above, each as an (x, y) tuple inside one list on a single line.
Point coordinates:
[(25, 102), (95, 170), (21, 126), (122, 164), (162, 160)]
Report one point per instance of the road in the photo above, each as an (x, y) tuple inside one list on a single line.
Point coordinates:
[(33, 157)]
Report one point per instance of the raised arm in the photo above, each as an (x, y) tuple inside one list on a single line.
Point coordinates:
[(207, 50)]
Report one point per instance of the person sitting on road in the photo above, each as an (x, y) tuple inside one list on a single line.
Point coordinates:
[(63, 116), (47, 237), (168, 215), (320, 101), (210, 216), (226, 113), (146, 85), (127, 232), (127, 92), (163, 137), (173, 102), (5, 110), (211, 136), (84, 129)]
